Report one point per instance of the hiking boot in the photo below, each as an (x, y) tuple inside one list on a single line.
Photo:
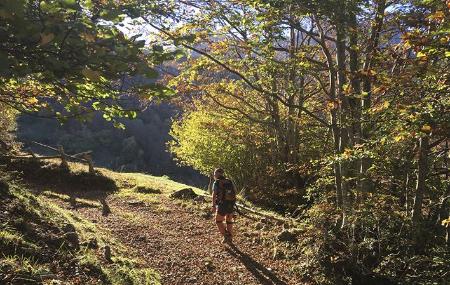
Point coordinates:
[(230, 238), (227, 238)]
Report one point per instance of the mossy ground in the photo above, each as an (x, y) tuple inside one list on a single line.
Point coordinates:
[(35, 248)]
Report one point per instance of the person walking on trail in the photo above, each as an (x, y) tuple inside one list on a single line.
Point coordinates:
[(224, 198)]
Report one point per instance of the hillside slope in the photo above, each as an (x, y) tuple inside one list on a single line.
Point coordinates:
[(177, 238), (42, 243)]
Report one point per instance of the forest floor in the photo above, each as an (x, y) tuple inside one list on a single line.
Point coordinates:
[(178, 238)]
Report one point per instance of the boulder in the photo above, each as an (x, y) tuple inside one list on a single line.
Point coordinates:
[(286, 236), (186, 193)]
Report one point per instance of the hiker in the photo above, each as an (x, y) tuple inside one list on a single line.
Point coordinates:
[(224, 198)]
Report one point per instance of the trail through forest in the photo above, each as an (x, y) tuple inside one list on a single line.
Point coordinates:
[(183, 245)]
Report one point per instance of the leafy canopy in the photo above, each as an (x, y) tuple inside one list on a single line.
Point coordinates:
[(71, 53)]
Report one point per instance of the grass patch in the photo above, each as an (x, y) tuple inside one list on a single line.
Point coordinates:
[(25, 270), (122, 271), (28, 222)]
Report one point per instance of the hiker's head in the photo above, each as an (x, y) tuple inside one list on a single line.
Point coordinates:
[(218, 173)]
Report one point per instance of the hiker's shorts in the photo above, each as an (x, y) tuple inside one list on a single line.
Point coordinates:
[(225, 208)]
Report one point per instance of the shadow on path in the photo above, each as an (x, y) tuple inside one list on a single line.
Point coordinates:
[(261, 273)]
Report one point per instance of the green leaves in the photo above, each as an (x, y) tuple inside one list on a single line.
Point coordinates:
[(46, 38), (91, 74), (71, 53)]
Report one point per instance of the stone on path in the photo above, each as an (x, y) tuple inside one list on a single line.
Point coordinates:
[(186, 193), (286, 236), (136, 203)]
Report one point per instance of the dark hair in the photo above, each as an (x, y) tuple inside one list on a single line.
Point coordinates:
[(219, 170)]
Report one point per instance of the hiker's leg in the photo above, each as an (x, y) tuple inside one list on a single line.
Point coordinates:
[(229, 221), (219, 222)]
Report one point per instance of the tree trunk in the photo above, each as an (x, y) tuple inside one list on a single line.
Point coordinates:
[(422, 172), (343, 106), (365, 163)]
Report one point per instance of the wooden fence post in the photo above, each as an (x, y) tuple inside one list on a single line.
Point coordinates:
[(88, 158), (64, 163)]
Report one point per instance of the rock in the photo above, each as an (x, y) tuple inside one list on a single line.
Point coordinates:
[(200, 199), (136, 203), (286, 236), (209, 266), (68, 228), (72, 239), (207, 215), (92, 243), (107, 253), (71, 236), (192, 280), (141, 238), (278, 254), (186, 193), (265, 220), (146, 190), (256, 240), (259, 226), (299, 212)]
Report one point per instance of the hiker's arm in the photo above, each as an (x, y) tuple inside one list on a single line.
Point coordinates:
[(214, 196), (213, 209), (214, 199)]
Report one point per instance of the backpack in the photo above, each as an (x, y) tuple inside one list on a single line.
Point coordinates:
[(226, 191)]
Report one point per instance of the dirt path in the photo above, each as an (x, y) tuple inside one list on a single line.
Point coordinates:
[(185, 247)]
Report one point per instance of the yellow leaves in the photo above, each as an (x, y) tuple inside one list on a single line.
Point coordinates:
[(399, 138), (88, 37), (421, 55), (46, 38), (446, 222), (32, 101), (347, 153), (407, 44), (426, 128), (347, 88), (369, 72), (437, 16), (219, 46), (331, 105), (91, 74), (381, 107)]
